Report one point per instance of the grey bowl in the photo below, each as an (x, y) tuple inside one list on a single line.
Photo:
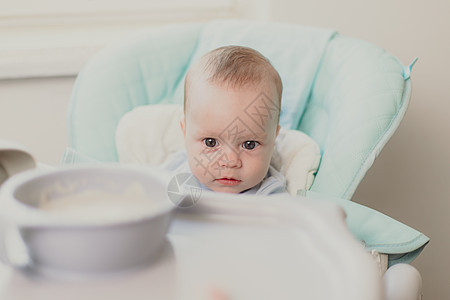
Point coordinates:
[(61, 243)]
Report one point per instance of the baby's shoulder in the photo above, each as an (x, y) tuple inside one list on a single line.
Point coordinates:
[(176, 162)]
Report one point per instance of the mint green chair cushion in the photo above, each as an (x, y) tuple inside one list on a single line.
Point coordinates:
[(359, 97), (347, 94)]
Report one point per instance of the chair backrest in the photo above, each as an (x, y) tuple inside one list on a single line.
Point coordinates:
[(350, 97), (358, 100)]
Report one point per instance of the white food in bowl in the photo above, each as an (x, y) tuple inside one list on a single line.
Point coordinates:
[(96, 202)]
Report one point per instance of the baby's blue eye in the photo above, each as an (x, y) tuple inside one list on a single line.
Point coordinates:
[(250, 145), (210, 142)]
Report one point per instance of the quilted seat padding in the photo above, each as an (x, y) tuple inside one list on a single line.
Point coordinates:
[(357, 102), (357, 97)]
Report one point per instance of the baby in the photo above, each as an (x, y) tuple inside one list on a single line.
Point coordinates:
[(231, 110)]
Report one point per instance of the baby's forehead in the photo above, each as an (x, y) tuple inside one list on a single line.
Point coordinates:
[(249, 109), (234, 125)]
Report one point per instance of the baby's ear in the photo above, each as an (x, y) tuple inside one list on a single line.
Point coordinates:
[(183, 125), (278, 130)]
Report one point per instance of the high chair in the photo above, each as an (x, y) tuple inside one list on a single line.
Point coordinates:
[(348, 95)]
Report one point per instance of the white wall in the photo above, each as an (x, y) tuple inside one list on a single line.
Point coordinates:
[(409, 180), (33, 114)]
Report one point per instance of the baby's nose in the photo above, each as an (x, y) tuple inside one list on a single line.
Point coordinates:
[(230, 159)]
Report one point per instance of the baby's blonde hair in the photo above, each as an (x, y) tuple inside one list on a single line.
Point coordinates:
[(237, 67)]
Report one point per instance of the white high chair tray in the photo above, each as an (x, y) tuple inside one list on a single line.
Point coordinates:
[(230, 248)]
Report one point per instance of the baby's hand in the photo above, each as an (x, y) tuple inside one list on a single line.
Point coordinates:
[(215, 293)]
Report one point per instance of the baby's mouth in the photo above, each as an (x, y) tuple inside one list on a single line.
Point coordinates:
[(229, 181)]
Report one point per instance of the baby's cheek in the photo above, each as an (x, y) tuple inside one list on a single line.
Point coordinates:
[(258, 166), (201, 164)]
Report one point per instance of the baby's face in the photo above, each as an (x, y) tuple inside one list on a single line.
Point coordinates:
[(230, 134)]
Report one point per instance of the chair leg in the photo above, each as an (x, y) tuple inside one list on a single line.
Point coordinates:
[(402, 282)]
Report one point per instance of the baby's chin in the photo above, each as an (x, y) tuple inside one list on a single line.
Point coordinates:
[(226, 190), (229, 189)]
